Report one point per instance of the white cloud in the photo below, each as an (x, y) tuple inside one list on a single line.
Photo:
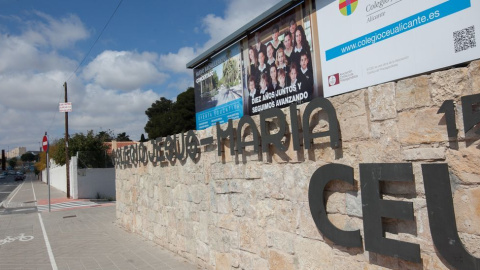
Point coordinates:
[(118, 111), (124, 70), (237, 14), (22, 127), (35, 48), (177, 62), (60, 33), (31, 91), (32, 108), (18, 54), (32, 73), (178, 86), (29, 106)]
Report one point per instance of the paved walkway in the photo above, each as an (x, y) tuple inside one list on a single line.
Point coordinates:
[(77, 234)]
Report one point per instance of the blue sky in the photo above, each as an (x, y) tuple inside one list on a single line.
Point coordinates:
[(140, 57)]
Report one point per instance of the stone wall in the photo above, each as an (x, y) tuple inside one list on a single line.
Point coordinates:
[(251, 211)]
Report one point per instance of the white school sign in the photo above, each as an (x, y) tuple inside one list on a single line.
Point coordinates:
[(65, 107), (368, 42)]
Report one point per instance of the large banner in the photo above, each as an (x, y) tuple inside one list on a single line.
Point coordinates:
[(367, 42), (218, 89), (279, 63)]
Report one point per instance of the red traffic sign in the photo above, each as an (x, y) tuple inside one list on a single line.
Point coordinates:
[(45, 143)]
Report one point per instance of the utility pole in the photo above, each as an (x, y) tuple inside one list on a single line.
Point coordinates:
[(67, 159), (46, 150)]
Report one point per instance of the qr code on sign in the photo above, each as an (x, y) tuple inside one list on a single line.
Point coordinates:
[(464, 39)]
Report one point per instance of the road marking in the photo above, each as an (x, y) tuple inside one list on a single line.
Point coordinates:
[(21, 237), (68, 205), (47, 243), (25, 209), (15, 191), (34, 196)]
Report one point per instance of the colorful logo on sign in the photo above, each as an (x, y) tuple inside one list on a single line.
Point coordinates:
[(347, 7), (333, 79)]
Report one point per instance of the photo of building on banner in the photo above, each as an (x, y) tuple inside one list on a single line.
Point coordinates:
[(218, 89), (279, 64), (392, 39)]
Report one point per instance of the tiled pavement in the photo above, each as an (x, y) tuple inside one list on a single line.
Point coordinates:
[(79, 237), (70, 204)]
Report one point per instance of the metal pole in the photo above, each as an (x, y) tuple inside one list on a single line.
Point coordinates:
[(67, 158), (48, 178)]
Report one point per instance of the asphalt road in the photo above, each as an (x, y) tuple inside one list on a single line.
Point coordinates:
[(8, 185)]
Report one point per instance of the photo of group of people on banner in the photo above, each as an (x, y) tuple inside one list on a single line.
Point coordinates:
[(280, 68)]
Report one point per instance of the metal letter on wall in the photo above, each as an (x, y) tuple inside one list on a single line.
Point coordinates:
[(448, 108), (471, 116), (374, 208), (333, 128), (152, 156), (224, 134), (118, 158), (441, 216), (142, 153), (316, 200), (241, 144), (134, 154), (127, 156), (159, 144), (180, 150), (275, 139), (170, 147), (294, 126), (192, 145)]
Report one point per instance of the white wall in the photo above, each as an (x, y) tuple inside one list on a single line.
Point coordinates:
[(91, 182), (57, 176), (84, 183)]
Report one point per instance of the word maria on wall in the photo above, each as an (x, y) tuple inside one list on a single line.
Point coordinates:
[(187, 145)]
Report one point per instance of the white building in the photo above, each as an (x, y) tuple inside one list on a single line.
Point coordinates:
[(16, 152)]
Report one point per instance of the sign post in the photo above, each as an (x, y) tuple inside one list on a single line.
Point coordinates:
[(67, 108), (45, 149)]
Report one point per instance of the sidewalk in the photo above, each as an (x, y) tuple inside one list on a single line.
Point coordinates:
[(77, 234)]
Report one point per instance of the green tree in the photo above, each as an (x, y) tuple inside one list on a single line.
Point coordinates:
[(91, 148), (230, 72), (42, 162), (159, 118), (12, 162), (184, 111), (215, 80), (123, 137), (105, 136), (167, 118), (28, 157)]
